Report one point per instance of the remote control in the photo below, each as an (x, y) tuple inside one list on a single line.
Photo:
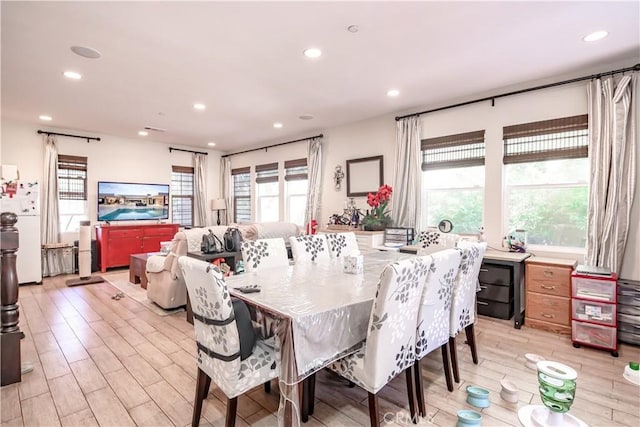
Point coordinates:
[(249, 289)]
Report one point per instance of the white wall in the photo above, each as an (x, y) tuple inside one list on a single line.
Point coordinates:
[(111, 159)]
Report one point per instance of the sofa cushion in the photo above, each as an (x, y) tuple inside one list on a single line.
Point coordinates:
[(156, 263)]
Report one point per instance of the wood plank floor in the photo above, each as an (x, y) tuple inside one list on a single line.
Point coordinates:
[(98, 361)]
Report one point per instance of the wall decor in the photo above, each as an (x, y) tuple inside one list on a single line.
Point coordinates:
[(364, 175), (338, 176)]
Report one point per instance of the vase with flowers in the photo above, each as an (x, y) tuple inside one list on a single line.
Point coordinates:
[(377, 217)]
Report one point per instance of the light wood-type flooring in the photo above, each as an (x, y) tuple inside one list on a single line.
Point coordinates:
[(98, 361)]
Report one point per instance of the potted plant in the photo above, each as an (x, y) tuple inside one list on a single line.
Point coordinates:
[(377, 218)]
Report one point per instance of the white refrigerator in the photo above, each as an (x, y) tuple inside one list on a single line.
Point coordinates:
[(25, 203)]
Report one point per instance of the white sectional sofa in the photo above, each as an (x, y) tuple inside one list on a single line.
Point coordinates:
[(165, 284)]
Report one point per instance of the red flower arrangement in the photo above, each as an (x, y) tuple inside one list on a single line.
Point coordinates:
[(378, 217)]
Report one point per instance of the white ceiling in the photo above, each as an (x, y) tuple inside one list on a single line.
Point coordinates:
[(244, 61)]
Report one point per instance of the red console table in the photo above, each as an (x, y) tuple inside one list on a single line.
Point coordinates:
[(116, 243)]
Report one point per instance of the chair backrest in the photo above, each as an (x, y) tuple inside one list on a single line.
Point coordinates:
[(434, 241), (309, 248), (214, 322), (434, 315), (341, 244), (264, 253), (392, 334), (463, 311)]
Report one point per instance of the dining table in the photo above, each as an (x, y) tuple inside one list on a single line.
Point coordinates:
[(317, 312)]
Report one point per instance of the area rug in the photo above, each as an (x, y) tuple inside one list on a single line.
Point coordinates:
[(121, 281)]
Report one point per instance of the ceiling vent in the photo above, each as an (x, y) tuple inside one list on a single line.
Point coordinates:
[(154, 129)]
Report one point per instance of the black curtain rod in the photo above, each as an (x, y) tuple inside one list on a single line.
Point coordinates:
[(187, 151), (517, 92), (271, 146), (88, 138)]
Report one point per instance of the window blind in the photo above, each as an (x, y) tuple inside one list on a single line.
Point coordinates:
[(72, 177), (182, 195), (241, 194), (564, 138), (453, 151), (267, 173), (295, 170)]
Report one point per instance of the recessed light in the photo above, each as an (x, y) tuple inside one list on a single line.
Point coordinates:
[(392, 93), (72, 75), (312, 52), (199, 106), (46, 118), (86, 52), (353, 28), (593, 37), (143, 133), (211, 144), (277, 125), (305, 117)]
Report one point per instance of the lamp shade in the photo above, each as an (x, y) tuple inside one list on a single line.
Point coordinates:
[(218, 204)]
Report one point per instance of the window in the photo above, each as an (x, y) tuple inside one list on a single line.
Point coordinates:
[(72, 191), (547, 177), (296, 187), (268, 192), (182, 195), (453, 181), (241, 194)]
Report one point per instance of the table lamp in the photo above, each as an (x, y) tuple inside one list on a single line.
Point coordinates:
[(218, 205)]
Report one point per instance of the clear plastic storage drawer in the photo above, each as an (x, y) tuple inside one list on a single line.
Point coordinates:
[(592, 334), (593, 311), (587, 287)]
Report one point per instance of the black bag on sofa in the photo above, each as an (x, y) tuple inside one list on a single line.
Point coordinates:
[(232, 239), (211, 244)]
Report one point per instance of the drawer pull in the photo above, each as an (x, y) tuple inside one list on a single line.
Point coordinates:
[(548, 273), (482, 303), (548, 316), (484, 269), (483, 287), (550, 288)]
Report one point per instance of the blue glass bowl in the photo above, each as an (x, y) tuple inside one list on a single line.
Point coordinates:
[(478, 396), (467, 417)]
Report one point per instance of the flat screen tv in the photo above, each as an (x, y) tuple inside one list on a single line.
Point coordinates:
[(127, 201)]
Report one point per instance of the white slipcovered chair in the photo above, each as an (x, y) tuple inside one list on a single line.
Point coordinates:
[(218, 341), (341, 244), (433, 241), (391, 336), (463, 304), (264, 253), (434, 316), (309, 248)]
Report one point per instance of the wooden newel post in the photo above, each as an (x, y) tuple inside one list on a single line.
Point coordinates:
[(9, 315)]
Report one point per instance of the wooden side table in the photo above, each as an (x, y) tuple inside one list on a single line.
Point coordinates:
[(137, 268), (229, 257)]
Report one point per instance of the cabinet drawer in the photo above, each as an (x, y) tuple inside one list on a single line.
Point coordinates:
[(160, 231), (593, 311), (597, 335), (119, 234), (548, 280), (500, 310), (549, 308), (629, 338), (495, 292), (495, 274)]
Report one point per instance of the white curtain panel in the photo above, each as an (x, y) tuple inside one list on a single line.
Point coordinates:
[(612, 145), (314, 161), (199, 189), (405, 203), (50, 221), (226, 182)]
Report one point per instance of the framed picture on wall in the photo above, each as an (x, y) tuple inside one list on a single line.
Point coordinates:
[(364, 175)]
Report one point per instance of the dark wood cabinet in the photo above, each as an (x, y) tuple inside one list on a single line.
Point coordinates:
[(116, 243)]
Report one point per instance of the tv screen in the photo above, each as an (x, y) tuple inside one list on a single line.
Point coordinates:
[(126, 201)]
